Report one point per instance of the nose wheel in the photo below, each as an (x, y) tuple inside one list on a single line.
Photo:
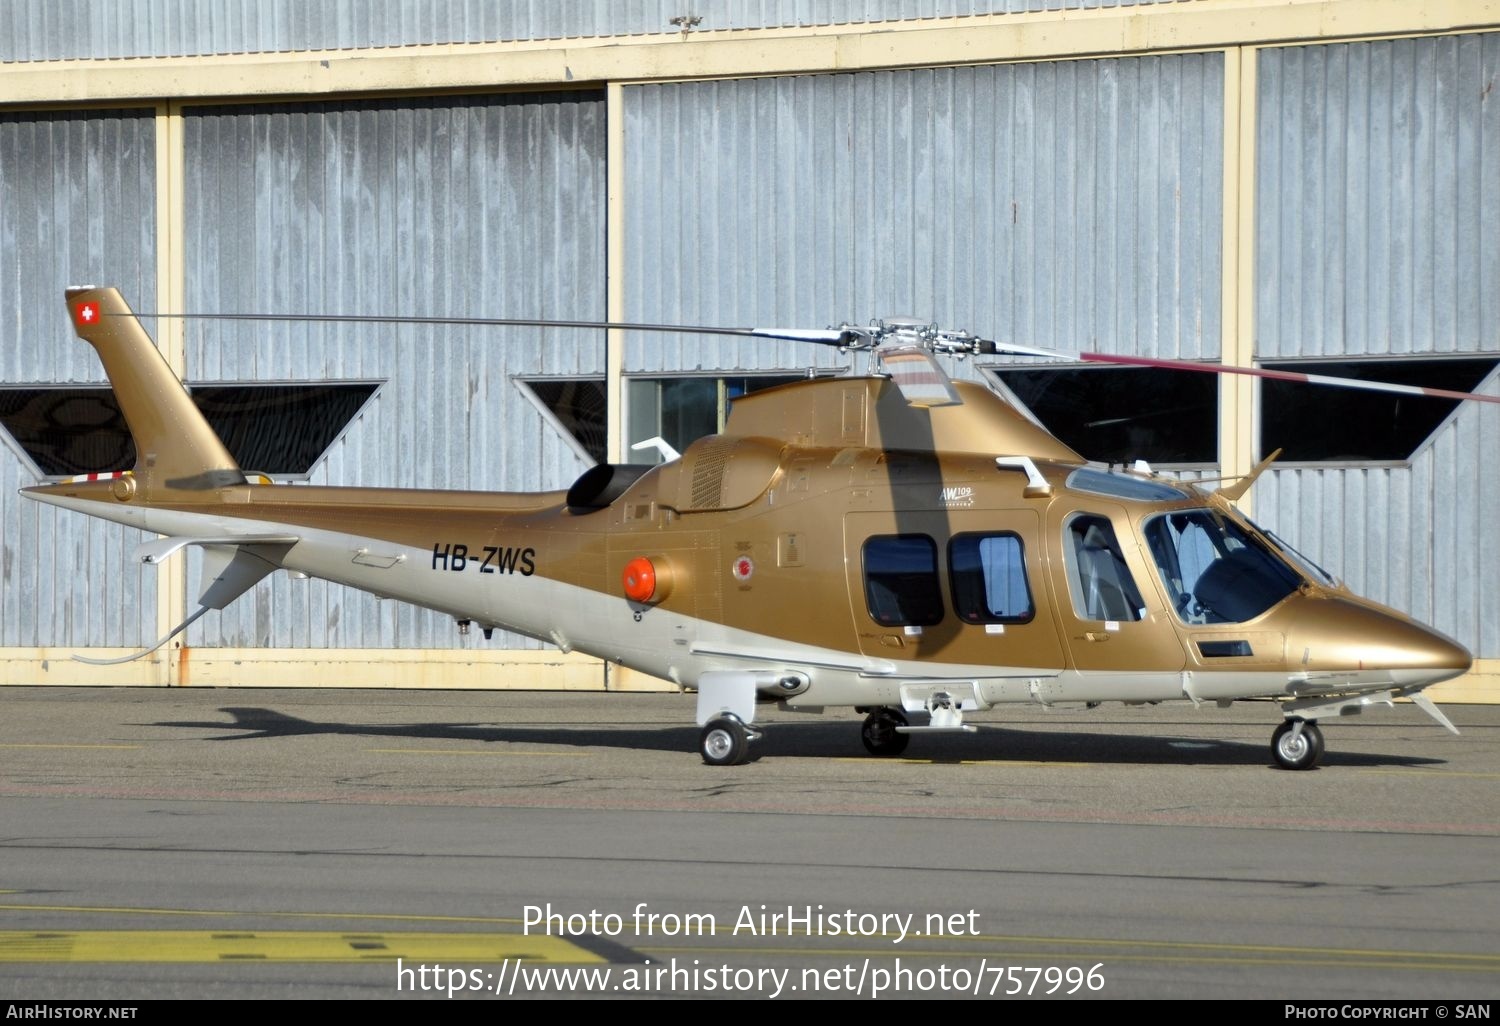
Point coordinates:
[(1297, 744)]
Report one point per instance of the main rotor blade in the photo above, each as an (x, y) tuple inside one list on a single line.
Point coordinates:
[(846, 336), (1298, 376), (824, 336), (1254, 372)]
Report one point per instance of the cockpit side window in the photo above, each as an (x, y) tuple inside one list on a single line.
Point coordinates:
[(1215, 571), (901, 580), (1100, 582)]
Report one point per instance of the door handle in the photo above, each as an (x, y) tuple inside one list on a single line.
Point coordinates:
[(1095, 635)]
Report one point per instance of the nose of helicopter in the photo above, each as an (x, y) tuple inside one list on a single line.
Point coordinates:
[(1342, 635)]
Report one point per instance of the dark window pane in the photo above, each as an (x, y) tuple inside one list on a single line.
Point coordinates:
[(901, 580), (278, 429), (736, 387), (988, 575), (1316, 423), (684, 409), (68, 431), (689, 410), (1116, 415), (580, 406)]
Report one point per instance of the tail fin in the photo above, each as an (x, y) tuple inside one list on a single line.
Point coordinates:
[(175, 447)]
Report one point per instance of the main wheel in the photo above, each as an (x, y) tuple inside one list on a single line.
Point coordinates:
[(724, 742), (1300, 752), (880, 735)]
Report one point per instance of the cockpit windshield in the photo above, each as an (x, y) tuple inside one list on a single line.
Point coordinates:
[(1214, 571)]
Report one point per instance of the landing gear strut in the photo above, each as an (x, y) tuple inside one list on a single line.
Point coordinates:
[(726, 708), (880, 735), (1297, 744)]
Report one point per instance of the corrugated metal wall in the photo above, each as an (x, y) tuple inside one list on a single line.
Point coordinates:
[(1378, 198), (77, 206), (463, 206), (37, 30), (1378, 211), (1067, 204), (1074, 204)]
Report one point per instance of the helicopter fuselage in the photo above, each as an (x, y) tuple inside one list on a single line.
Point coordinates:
[(859, 573), (839, 544)]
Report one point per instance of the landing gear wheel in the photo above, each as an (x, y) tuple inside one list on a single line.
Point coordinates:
[(1300, 752), (880, 736), (724, 742)]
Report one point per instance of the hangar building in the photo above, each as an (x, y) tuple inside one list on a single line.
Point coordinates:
[(1308, 184)]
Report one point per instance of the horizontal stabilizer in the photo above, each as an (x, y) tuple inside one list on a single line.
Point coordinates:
[(157, 551)]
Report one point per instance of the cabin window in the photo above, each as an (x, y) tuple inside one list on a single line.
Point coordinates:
[(1123, 486), (1215, 571), (1099, 580), (988, 576), (901, 580)]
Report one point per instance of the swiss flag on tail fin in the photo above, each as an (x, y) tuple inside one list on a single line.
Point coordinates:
[(85, 314)]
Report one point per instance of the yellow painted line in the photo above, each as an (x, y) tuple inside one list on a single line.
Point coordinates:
[(1432, 773), (457, 751), (1238, 948), (157, 946), (1019, 958), (67, 746), (1290, 951), (1488, 961), (119, 910)]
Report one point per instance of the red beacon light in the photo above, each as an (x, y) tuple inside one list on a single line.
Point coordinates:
[(646, 580)]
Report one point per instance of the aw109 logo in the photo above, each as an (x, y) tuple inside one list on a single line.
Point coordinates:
[(958, 496)]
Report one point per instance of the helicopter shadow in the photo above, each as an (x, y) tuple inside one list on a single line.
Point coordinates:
[(837, 739)]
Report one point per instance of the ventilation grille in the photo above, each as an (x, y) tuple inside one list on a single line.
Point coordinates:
[(708, 474)]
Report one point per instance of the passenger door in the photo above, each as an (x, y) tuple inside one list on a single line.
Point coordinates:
[(956, 587), (1110, 613)]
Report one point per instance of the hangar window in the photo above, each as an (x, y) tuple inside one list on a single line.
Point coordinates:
[(1353, 426), (1122, 414), (901, 580), (683, 409), (988, 575), (280, 429), (577, 408)]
